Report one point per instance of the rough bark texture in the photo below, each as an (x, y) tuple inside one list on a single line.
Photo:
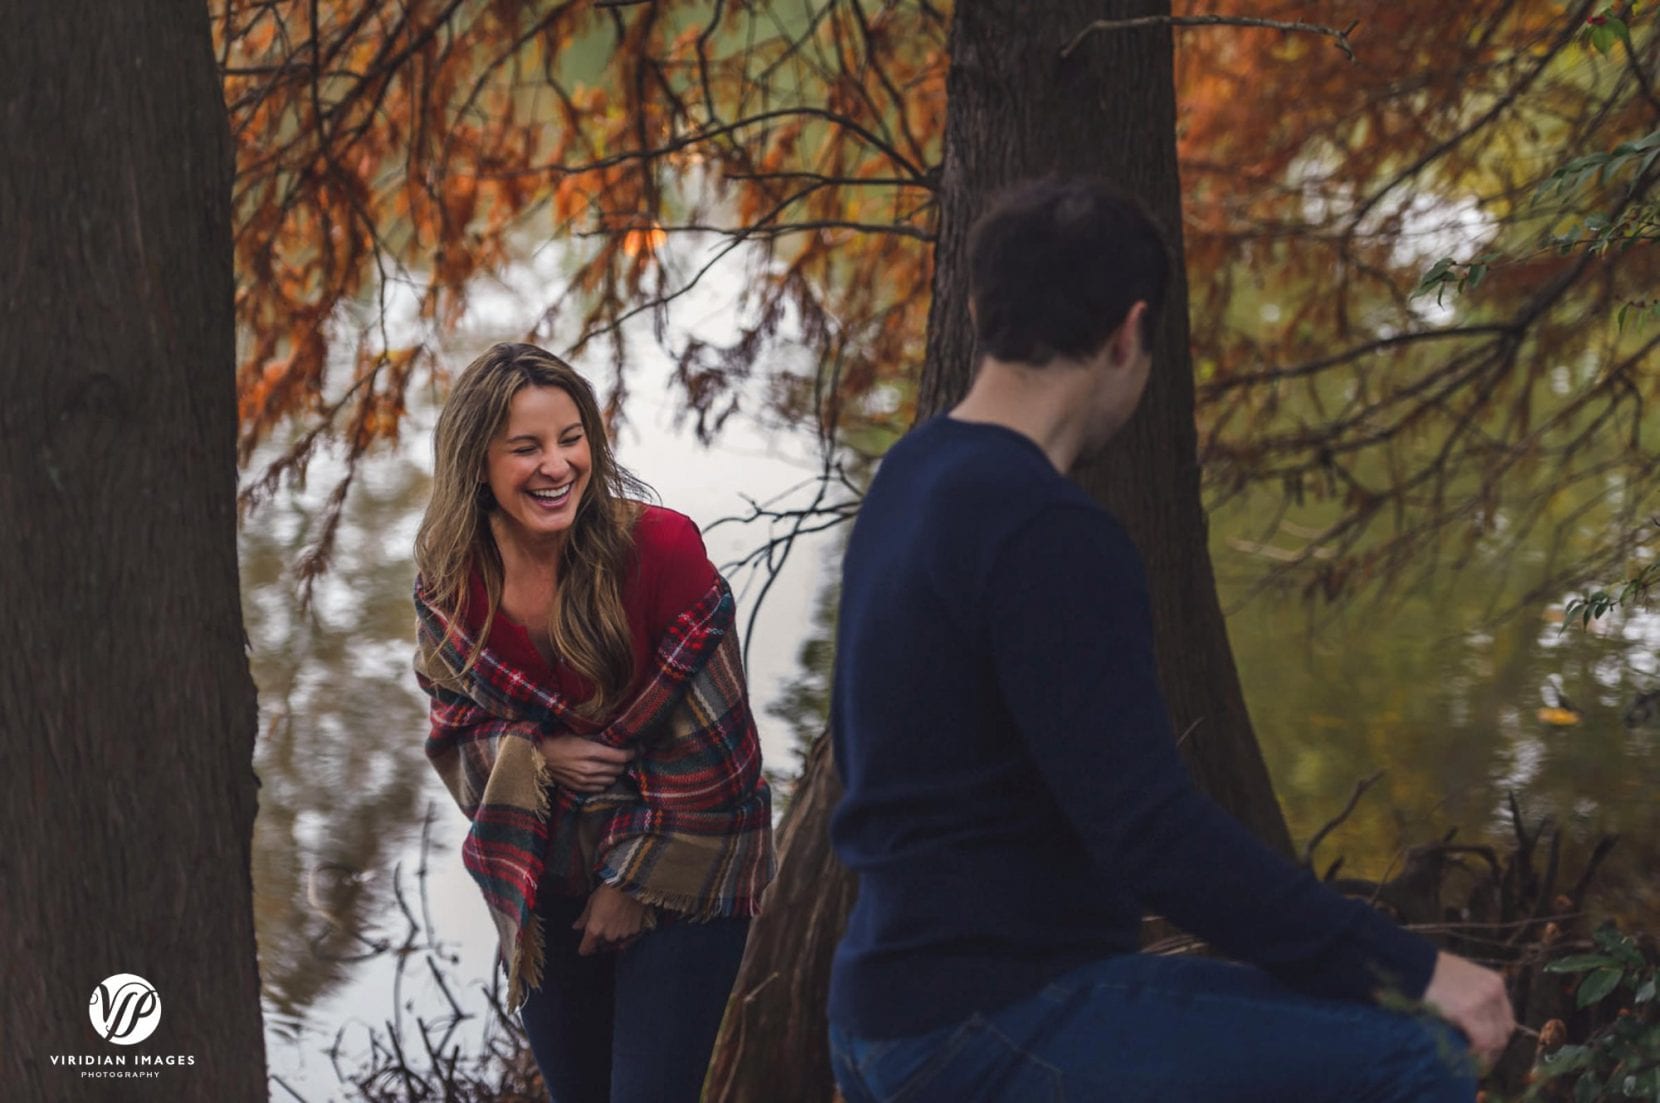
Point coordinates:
[(1017, 110), (127, 714), (772, 1045)]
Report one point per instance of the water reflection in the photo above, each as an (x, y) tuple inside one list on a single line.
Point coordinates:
[(338, 757), (1460, 711)]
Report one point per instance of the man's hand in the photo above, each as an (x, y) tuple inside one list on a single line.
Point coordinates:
[(1474, 1000), (582, 765), (611, 920)]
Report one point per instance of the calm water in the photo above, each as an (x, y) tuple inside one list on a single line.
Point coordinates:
[(1458, 706)]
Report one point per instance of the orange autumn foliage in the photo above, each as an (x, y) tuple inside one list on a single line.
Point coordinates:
[(413, 146)]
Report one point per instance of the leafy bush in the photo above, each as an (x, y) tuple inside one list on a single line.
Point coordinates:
[(1620, 1058)]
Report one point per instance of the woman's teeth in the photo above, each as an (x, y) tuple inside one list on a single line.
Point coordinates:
[(553, 497)]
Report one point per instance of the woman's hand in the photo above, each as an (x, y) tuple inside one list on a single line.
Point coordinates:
[(611, 920), (582, 765)]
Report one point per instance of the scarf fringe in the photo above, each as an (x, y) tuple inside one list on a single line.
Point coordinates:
[(687, 907), (524, 973)]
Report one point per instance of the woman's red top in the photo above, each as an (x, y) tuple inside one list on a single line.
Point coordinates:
[(671, 572)]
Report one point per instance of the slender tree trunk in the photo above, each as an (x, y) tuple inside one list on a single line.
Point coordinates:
[(1017, 110), (127, 712)]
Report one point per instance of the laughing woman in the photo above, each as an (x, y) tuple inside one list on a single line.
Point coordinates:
[(589, 715)]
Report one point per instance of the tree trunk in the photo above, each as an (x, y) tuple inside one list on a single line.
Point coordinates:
[(1017, 110), (772, 1044), (127, 713)]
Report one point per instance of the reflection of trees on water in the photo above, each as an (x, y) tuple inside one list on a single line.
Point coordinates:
[(804, 700), (339, 754), (1440, 689)]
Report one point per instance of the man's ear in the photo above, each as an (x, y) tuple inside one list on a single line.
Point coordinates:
[(1125, 341)]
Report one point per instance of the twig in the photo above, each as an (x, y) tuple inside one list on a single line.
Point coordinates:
[(1340, 36), (1604, 845), (1332, 824), (1182, 738), (283, 1084)]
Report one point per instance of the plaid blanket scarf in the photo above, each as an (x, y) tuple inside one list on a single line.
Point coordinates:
[(686, 827)]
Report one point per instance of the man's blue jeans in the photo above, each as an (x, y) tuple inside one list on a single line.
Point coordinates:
[(1141, 1027), (635, 1026)]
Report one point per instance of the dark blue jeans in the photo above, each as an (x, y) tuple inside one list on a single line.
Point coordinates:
[(635, 1026), (1140, 1028)]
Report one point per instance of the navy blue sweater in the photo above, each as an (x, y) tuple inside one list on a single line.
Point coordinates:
[(1014, 797)]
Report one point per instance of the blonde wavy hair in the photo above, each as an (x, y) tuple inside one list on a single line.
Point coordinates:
[(588, 624)]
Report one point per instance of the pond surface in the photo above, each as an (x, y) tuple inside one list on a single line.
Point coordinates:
[(1460, 704)]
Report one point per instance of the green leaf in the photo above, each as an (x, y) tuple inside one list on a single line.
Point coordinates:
[(1602, 39), (1435, 278), (1620, 31), (1645, 992), (1567, 1059), (1622, 946), (1598, 985), (1579, 963)]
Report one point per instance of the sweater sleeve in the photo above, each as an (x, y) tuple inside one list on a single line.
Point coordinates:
[(1071, 637)]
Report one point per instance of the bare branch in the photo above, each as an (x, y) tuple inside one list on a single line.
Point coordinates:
[(1332, 824), (1341, 37)]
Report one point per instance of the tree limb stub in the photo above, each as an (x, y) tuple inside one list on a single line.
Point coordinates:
[(1332, 824), (1341, 37)]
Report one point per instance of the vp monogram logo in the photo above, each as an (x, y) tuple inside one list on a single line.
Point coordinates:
[(125, 1009)]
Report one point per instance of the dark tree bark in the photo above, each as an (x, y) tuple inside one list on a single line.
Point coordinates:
[(772, 1044), (1017, 110), (127, 713)]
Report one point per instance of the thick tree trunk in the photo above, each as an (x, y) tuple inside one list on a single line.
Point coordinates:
[(772, 1045), (1017, 110), (127, 713)]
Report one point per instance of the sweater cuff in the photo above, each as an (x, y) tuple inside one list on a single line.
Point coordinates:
[(1405, 960), (1373, 958), (1386, 959)]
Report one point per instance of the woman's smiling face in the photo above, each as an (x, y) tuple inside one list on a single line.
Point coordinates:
[(539, 464)]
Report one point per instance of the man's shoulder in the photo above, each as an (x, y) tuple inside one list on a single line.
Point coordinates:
[(988, 464), (958, 497), (1076, 526)]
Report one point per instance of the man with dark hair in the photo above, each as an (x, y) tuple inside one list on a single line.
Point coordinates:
[(1014, 796)]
